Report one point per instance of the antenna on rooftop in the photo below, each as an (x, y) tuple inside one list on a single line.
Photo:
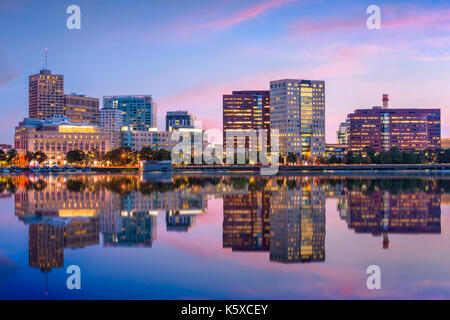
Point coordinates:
[(46, 59)]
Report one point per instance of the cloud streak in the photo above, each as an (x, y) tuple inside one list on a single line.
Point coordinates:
[(7, 75), (391, 18), (237, 17)]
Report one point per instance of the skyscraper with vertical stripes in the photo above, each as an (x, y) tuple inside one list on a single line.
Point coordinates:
[(297, 110)]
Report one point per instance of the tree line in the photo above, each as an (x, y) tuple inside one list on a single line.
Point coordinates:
[(117, 157), (392, 156)]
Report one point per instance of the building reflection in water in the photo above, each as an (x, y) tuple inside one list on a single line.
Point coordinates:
[(282, 216), (287, 219), (71, 213), (297, 223), (381, 212), (246, 221), (47, 240)]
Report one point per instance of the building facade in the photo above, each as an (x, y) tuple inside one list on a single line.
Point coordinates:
[(139, 112), (342, 133), (382, 128), (151, 138), (111, 121), (298, 112), (46, 95), (337, 150), (445, 143), (246, 110), (57, 136), (81, 109), (179, 119)]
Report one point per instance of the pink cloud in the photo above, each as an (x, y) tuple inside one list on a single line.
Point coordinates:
[(205, 99), (432, 59), (7, 74), (391, 18), (238, 17)]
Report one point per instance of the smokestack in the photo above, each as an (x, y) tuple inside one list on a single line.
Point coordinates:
[(385, 101)]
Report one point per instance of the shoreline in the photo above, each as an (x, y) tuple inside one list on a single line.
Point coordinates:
[(323, 168), (341, 170)]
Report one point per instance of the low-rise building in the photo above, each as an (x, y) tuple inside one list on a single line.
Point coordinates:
[(338, 150), (138, 139), (382, 128), (5, 147), (445, 143), (57, 136)]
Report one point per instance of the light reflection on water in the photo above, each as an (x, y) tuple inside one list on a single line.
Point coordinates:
[(230, 237)]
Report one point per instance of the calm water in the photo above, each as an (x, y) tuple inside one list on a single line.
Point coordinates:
[(215, 237)]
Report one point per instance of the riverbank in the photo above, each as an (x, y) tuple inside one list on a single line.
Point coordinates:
[(321, 168), (441, 169)]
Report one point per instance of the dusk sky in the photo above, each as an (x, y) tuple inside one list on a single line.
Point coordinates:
[(187, 53)]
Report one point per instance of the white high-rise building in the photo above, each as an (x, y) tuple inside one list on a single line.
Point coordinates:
[(111, 121), (297, 110)]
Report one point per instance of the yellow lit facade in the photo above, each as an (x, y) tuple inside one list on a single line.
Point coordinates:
[(57, 136), (298, 112)]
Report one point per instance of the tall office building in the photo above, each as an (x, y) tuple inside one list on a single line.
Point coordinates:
[(81, 109), (46, 95), (139, 112), (179, 119), (382, 128), (111, 121), (244, 110), (298, 112)]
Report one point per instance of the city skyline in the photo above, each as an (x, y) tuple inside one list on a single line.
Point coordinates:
[(350, 64)]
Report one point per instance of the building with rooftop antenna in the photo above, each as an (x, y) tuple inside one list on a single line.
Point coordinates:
[(46, 94)]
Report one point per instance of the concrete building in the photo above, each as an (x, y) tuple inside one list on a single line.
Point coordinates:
[(57, 136), (246, 110), (138, 139), (111, 121), (81, 109), (46, 95), (179, 119), (139, 112), (298, 112), (382, 128)]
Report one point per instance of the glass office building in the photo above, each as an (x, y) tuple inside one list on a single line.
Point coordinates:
[(139, 112)]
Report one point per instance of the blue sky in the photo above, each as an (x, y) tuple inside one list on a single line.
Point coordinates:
[(188, 53)]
